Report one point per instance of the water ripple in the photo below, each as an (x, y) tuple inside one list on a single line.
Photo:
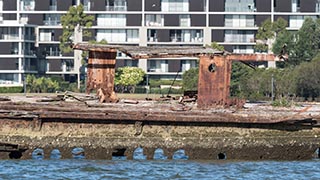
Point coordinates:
[(164, 169)]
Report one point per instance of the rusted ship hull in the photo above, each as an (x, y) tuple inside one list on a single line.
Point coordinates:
[(105, 129)]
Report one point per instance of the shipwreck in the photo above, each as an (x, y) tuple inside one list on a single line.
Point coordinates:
[(204, 130)]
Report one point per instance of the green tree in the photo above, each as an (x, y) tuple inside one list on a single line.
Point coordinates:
[(216, 46), (307, 42), (75, 18), (268, 32), (265, 32), (239, 74), (190, 79), (307, 79), (128, 77)]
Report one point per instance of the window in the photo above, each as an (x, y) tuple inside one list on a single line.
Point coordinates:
[(243, 49), (297, 21), (9, 78), (67, 65), (46, 35), (86, 4), (317, 6), (116, 5), (52, 19), (118, 35), (154, 20), (111, 20), (240, 6), (29, 33), (188, 64), (158, 66), (195, 36), (9, 33), (175, 5), (74, 2), (131, 63), (53, 5), (239, 36), (28, 49), (152, 35), (52, 51), (184, 20), (295, 5), (27, 5), (239, 20)]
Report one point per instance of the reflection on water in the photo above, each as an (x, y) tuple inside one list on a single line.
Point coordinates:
[(155, 169)]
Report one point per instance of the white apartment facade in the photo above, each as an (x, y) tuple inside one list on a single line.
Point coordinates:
[(30, 30)]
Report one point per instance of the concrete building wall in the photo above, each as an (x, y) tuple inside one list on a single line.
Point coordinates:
[(198, 20), (42, 5), (216, 5), (171, 20), (282, 6), (307, 5), (134, 19), (9, 5), (153, 5), (263, 6), (8, 64), (196, 5), (98, 5), (134, 5)]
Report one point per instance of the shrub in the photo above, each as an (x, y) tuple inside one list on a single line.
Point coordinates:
[(15, 89)]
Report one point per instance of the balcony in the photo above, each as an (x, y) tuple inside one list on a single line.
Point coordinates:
[(10, 36), (116, 8), (53, 53), (53, 8), (52, 22)]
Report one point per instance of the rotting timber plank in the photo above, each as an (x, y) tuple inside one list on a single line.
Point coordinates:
[(78, 114), (168, 117)]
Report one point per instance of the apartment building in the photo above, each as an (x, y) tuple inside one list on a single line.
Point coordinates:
[(30, 30)]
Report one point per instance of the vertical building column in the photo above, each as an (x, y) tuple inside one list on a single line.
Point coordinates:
[(143, 64), (207, 35), (143, 36), (20, 59), (77, 53)]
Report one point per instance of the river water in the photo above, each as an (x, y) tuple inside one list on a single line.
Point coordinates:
[(157, 169)]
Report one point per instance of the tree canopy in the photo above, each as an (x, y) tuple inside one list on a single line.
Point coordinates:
[(75, 18), (268, 31), (128, 77)]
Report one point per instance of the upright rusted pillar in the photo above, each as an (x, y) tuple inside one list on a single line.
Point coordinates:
[(214, 81), (101, 72)]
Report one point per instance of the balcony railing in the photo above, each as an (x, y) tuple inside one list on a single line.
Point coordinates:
[(53, 53), (10, 36), (52, 22), (52, 8), (116, 8)]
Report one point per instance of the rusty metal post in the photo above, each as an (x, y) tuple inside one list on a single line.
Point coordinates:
[(214, 81), (101, 72)]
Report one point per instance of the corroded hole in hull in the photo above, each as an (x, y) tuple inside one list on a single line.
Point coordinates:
[(222, 156)]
